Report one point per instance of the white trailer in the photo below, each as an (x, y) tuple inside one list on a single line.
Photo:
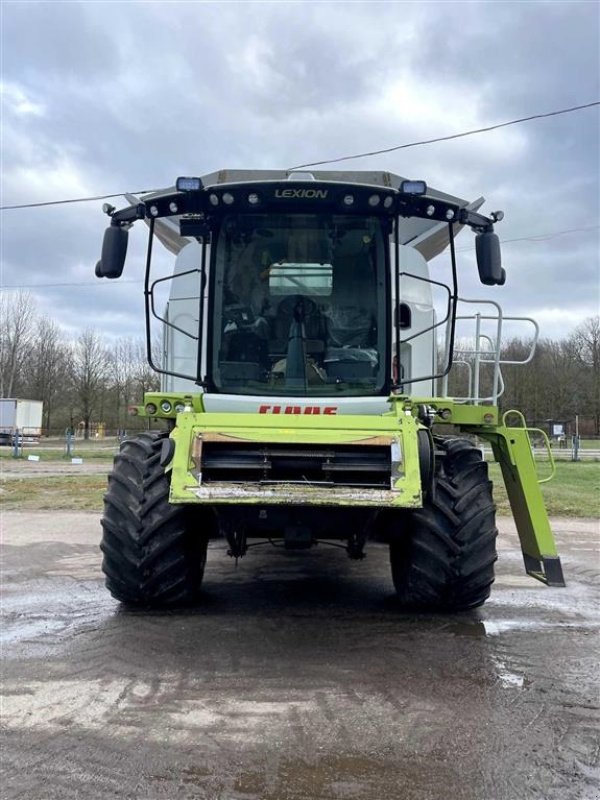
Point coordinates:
[(24, 416)]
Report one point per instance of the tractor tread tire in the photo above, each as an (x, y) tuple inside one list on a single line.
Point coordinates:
[(152, 555), (445, 561)]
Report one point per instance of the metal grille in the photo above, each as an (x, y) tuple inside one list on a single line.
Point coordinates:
[(366, 466)]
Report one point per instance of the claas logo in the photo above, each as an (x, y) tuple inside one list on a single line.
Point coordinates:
[(297, 409)]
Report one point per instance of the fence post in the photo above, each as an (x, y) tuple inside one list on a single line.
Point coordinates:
[(68, 441), (17, 444), (575, 456)]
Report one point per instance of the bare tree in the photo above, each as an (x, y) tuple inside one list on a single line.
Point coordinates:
[(522, 385), (122, 362), (17, 325), (584, 348), (146, 379), (47, 368), (130, 376), (89, 373)]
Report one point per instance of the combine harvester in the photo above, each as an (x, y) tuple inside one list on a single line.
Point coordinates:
[(304, 395)]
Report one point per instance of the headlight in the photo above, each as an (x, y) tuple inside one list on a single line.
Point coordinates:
[(165, 406), (150, 408), (413, 187), (188, 184)]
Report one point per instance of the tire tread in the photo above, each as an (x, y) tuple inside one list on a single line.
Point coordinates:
[(445, 561), (152, 554)]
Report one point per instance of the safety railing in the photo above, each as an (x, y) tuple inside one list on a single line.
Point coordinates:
[(483, 351)]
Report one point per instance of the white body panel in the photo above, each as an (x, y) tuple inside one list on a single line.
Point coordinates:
[(417, 355), (26, 415), (180, 351)]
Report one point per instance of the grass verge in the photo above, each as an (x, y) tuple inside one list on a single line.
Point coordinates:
[(573, 492), (73, 493)]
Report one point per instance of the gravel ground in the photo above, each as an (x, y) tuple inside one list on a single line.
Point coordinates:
[(296, 679)]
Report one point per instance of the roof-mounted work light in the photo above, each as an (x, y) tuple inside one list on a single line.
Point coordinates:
[(188, 184), (413, 187)]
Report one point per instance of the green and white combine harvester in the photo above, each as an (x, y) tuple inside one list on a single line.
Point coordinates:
[(304, 393)]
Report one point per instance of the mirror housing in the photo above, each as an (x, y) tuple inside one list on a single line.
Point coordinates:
[(489, 259), (114, 250)]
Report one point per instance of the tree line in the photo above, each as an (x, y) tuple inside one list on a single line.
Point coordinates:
[(82, 382), (88, 381), (560, 383)]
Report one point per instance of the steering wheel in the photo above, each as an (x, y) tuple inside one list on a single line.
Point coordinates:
[(298, 306), (243, 316)]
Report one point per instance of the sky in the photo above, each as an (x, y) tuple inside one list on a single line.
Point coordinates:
[(109, 97)]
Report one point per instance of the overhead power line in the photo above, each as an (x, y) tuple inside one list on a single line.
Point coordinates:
[(73, 200), (448, 138), (65, 284), (538, 237), (329, 160)]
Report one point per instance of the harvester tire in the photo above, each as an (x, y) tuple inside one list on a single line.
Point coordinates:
[(153, 556), (445, 560)]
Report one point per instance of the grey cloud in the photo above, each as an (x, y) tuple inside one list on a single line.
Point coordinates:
[(137, 93), (58, 39)]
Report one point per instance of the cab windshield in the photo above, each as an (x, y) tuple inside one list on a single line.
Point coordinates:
[(298, 305)]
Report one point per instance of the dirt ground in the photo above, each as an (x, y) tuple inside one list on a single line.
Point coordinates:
[(43, 469), (296, 679)]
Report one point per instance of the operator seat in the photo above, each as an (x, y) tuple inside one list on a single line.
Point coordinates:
[(314, 331), (351, 324)]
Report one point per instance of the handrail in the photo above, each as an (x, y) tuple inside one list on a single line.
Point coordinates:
[(480, 355), (545, 439)]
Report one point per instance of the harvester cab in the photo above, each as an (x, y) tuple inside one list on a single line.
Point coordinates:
[(306, 388)]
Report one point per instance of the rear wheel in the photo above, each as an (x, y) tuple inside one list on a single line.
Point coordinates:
[(445, 560), (153, 555)]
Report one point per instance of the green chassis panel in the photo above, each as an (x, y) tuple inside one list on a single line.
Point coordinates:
[(511, 447), (388, 430)]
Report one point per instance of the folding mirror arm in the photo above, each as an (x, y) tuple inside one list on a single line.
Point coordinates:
[(127, 215), (479, 222)]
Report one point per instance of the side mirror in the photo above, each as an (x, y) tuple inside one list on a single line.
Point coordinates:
[(403, 316), (114, 250), (489, 259)]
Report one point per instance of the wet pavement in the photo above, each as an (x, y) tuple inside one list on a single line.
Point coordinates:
[(298, 678)]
